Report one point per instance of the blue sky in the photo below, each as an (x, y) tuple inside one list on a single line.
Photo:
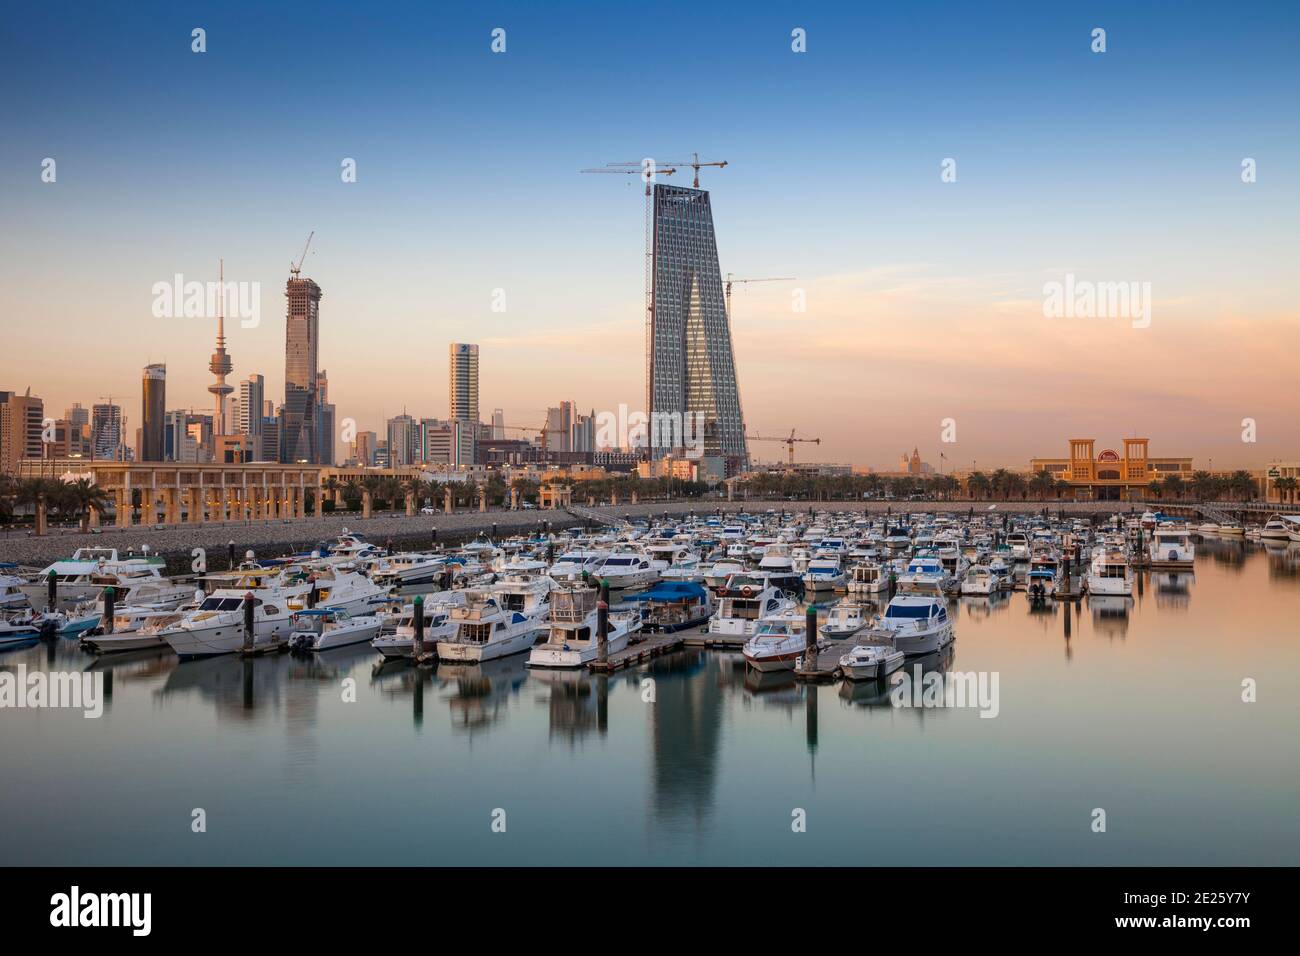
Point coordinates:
[(1120, 165)]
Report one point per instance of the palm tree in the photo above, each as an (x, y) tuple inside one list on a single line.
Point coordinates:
[(1202, 483), (978, 484), (1243, 485), (371, 485), (1154, 488), (83, 496), (1174, 485), (1060, 486), (1286, 488), (1042, 483), (38, 492)]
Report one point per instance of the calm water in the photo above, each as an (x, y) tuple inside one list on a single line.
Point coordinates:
[(1138, 712)]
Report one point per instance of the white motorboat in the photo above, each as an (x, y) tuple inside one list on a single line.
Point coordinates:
[(777, 563), (1018, 543), (16, 633), (1109, 571), (924, 575), (409, 572), (871, 661), (844, 619), (1275, 529), (574, 639), (82, 576), (824, 572), (1171, 547), (915, 623), (437, 625), (325, 628), (777, 644), (716, 576), (1231, 529), (980, 580), (625, 570), (569, 566), (137, 627), (869, 577), (484, 630), (217, 625), (1208, 527), (742, 602), (11, 595)]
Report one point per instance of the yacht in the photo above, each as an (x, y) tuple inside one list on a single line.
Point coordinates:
[(777, 563), (325, 628), (409, 572), (569, 566), (915, 623), (742, 602), (1109, 571), (1275, 529), (844, 619), (625, 570), (437, 626), (82, 576), (217, 625), (871, 661), (15, 633), (1018, 543), (573, 639), (777, 644), (980, 580), (1231, 529), (1171, 547), (485, 630), (11, 595), (869, 577), (716, 576), (672, 606), (824, 573), (924, 575)]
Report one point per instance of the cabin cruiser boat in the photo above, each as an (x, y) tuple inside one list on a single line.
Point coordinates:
[(674, 606), (777, 563), (1230, 529), (569, 566), (16, 632), (716, 576), (980, 580), (484, 630), (82, 576), (1040, 582), (409, 571), (325, 628), (871, 661), (869, 577), (627, 569), (743, 601), (670, 558), (349, 544), (1171, 547), (1109, 572), (824, 573), (777, 644), (924, 575), (844, 619), (1018, 542), (216, 626), (135, 628), (914, 623), (573, 639), (437, 626), (11, 595), (1275, 529), (1292, 523), (1208, 527)]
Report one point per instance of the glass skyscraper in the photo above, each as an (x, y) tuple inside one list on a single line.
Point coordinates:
[(299, 429), (690, 367)]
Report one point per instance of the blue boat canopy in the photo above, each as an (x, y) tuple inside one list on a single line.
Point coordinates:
[(672, 591)]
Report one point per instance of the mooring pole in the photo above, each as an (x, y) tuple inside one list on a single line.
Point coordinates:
[(110, 602), (52, 591), (417, 644), (602, 623), (248, 621)]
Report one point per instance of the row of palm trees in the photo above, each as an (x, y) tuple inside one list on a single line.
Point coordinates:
[(50, 498), (1203, 486)]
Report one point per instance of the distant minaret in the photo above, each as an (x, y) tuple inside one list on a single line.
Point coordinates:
[(221, 365)]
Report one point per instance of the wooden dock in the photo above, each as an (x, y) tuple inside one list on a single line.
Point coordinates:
[(825, 664), (652, 646), (723, 642)]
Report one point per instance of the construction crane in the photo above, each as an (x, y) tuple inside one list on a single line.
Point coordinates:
[(727, 285), (639, 171), (789, 442), (694, 163), (295, 268), (526, 429)]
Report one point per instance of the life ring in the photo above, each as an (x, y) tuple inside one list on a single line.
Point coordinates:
[(747, 591)]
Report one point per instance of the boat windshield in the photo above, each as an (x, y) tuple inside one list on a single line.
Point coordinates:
[(221, 604), (908, 611)]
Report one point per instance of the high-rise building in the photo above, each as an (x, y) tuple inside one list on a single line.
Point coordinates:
[(559, 427), (220, 364), (252, 401), (690, 366), (403, 441), (178, 443), (21, 426), (153, 413), (584, 432), (324, 419), (106, 431), (299, 434), (498, 424), (463, 379), (363, 448)]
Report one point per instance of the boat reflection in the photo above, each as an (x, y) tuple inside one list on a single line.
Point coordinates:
[(1110, 613)]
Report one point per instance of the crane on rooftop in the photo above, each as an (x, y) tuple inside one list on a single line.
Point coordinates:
[(296, 267), (727, 285), (639, 171), (789, 442)]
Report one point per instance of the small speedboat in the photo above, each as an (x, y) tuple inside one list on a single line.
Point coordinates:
[(844, 619), (777, 644), (871, 661), (13, 634), (325, 628)]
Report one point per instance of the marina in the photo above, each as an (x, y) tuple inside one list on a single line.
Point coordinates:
[(1112, 626)]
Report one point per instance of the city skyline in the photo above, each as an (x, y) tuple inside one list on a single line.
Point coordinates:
[(483, 195)]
